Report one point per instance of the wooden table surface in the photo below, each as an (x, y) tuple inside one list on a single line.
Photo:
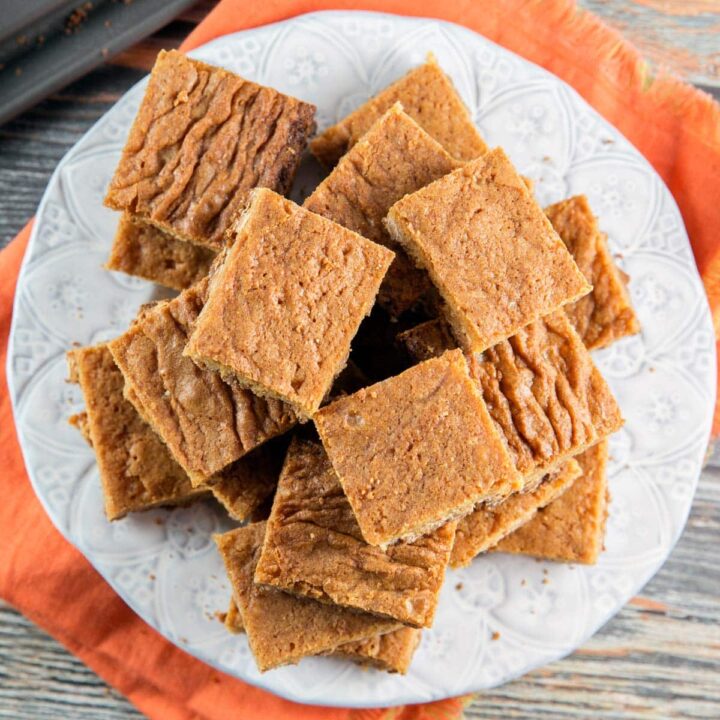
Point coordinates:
[(658, 658)]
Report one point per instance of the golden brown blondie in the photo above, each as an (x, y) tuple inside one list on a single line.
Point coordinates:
[(429, 97), (284, 306), (136, 471), (605, 314), (542, 389), (488, 248), (416, 450), (571, 528), (201, 139), (488, 524), (314, 548), (147, 252), (391, 652), (205, 422), (282, 629)]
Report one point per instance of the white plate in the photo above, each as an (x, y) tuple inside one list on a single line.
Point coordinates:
[(164, 564)]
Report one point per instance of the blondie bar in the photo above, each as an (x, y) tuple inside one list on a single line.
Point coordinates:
[(488, 248), (281, 628), (416, 450), (572, 528), (201, 139), (395, 157), (205, 422), (144, 251), (391, 652), (136, 471), (544, 392), (487, 525), (429, 97), (314, 548), (284, 306), (605, 314)]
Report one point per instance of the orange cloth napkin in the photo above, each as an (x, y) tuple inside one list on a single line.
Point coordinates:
[(675, 126)]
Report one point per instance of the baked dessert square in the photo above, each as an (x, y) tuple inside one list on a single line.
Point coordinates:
[(242, 488), (488, 524), (246, 486), (394, 157), (391, 652), (314, 548), (542, 389), (428, 96), (146, 252), (571, 528), (285, 304), (201, 139), (605, 314), (136, 470), (206, 422), (489, 249), (416, 450), (282, 629)]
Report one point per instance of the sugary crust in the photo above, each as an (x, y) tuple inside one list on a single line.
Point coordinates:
[(313, 547), (205, 422), (429, 98), (572, 528), (395, 157), (201, 139), (144, 251), (416, 450), (281, 628), (606, 314), (283, 308), (488, 248), (487, 525), (136, 470)]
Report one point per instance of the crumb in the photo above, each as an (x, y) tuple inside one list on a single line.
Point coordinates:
[(21, 40), (546, 159), (18, 71), (219, 615), (545, 581), (651, 369), (607, 141), (107, 24), (495, 636), (459, 586), (159, 521), (40, 39), (152, 576), (523, 582), (545, 571), (105, 52), (77, 17)]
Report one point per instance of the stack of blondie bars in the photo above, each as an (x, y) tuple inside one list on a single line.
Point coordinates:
[(393, 377)]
